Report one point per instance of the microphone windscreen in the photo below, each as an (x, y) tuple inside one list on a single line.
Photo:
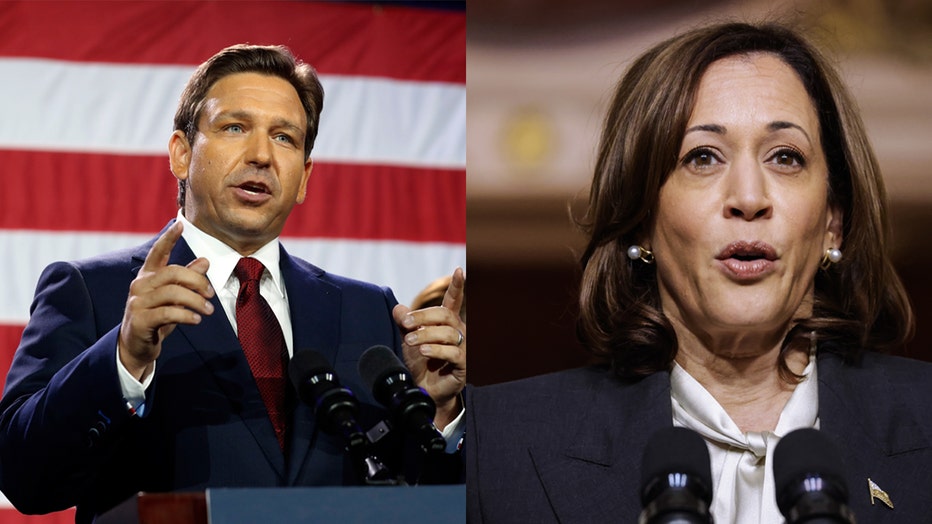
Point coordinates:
[(805, 452), (676, 450), (305, 364), (376, 362)]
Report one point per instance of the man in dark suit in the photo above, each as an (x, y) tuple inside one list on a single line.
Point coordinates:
[(160, 368)]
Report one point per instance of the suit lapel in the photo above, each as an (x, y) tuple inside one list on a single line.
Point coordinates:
[(859, 408), (315, 318), (597, 473), (217, 345)]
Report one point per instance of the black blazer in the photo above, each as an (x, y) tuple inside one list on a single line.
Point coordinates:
[(567, 447), (67, 439)]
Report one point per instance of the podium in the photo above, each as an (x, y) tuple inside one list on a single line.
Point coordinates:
[(349, 505)]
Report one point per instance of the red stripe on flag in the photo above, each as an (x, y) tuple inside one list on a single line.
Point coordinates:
[(9, 341), (95, 192), (382, 202), (394, 42), (136, 194)]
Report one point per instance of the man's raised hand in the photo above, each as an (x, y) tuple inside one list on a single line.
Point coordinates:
[(160, 297), (435, 348)]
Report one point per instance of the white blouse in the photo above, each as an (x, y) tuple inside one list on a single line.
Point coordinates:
[(742, 472)]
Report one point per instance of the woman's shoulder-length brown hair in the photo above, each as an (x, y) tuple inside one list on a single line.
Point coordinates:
[(859, 302)]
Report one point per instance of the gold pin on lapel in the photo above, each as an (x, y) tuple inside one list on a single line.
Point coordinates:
[(877, 493)]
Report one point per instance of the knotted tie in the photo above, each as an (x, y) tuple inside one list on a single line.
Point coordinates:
[(260, 334)]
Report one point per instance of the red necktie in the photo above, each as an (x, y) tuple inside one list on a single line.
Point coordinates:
[(260, 334)]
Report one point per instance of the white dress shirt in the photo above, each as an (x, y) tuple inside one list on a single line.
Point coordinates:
[(223, 260), (742, 463)]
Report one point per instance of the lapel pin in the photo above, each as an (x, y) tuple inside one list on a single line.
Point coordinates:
[(877, 493)]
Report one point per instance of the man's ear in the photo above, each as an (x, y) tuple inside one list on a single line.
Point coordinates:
[(302, 190), (179, 155)]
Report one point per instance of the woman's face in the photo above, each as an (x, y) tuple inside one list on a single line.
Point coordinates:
[(743, 220)]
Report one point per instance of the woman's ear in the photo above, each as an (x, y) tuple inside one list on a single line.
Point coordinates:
[(836, 226)]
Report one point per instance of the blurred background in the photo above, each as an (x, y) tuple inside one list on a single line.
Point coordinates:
[(539, 76)]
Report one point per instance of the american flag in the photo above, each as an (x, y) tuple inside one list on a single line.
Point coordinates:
[(87, 95)]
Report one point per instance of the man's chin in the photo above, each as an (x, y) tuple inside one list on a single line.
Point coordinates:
[(247, 236)]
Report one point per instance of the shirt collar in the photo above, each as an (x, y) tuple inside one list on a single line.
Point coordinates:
[(223, 258)]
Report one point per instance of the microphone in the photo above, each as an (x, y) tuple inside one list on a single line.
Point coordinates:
[(808, 474), (393, 387), (676, 479), (334, 405), (335, 408)]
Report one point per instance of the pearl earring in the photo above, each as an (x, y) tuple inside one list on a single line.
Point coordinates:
[(636, 252), (832, 256)]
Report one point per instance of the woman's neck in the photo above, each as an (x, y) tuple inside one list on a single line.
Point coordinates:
[(743, 377)]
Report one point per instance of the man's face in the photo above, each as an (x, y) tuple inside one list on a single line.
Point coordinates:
[(246, 167)]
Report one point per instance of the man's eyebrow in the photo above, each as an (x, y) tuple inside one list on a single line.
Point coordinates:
[(289, 125), (234, 115)]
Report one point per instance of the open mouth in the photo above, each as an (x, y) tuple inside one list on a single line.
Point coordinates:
[(747, 262), (748, 252), (254, 188), (747, 257)]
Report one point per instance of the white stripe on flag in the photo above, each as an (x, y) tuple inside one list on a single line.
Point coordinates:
[(34, 250), (127, 109), (406, 267), (367, 120), (88, 107)]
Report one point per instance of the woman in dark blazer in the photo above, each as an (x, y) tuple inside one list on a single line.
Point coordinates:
[(737, 282)]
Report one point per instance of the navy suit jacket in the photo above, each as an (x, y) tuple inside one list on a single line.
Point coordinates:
[(567, 447), (67, 438)]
